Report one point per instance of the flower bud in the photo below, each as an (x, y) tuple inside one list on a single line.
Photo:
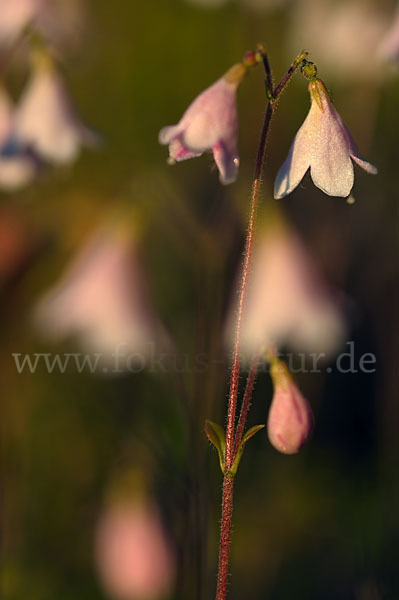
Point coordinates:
[(290, 420)]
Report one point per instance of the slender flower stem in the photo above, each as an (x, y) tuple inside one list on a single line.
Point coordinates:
[(279, 88), (231, 414), (246, 403), (228, 482), (225, 535), (232, 439), (269, 78)]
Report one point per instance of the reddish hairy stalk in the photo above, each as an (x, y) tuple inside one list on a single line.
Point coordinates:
[(231, 413), (228, 482), (225, 534), (246, 403), (232, 439), (279, 88)]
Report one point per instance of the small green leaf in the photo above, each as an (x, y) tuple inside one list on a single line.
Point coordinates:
[(217, 436), (251, 432), (247, 436)]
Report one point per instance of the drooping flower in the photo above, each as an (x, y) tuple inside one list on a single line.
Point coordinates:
[(290, 420), (210, 123), (45, 118), (324, 144), (133, 556), (102, 299), (288, 302)]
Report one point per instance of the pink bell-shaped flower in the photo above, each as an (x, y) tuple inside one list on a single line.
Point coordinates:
[(290, 420), (324, 145), (210, 123)]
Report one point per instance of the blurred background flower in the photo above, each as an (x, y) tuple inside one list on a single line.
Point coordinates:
[(103, 299), (45, 120), (134, 558), (288, 301)]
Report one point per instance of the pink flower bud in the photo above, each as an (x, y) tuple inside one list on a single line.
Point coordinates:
[(324, 145), (133, 556), (210, 123), (290, 420)]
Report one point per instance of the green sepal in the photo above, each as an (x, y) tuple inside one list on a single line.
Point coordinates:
[(247, 436), (217, 436)]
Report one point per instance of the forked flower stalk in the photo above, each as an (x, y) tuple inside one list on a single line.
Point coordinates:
[(233, 436)]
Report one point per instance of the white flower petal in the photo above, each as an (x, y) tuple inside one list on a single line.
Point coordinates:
[(167, 134), (368, 167), (227, 163), (334, 176), (291, 172)]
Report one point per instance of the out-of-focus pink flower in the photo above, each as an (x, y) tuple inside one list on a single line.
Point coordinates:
[(45, 118), (290, 420), (102, 299), (59, 21), (324, 144), (210, 123), (287, 301), (388, 48), (15, 15), (133, 556), (343, 36), (17, 167)]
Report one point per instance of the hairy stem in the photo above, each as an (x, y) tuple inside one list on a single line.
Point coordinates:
[(232, 439), (279, 88), (231, 413), (225, 534), (228, 482), (246, 403)]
